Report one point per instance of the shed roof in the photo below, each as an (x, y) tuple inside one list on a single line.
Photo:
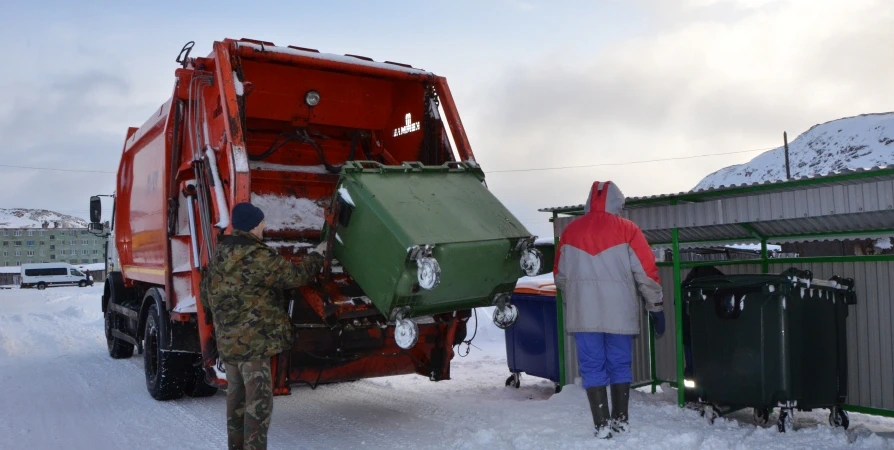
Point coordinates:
[(856, 203)]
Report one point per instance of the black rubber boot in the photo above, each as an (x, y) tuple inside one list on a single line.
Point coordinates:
[(598, 397), (620, 400)]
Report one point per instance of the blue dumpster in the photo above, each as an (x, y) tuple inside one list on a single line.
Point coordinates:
[(532, 344)]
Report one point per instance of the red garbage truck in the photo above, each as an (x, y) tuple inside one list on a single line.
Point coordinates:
[(273, 125)]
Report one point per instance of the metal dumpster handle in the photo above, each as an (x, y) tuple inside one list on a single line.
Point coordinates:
[(363, 165), (458, 165), (415, 165)]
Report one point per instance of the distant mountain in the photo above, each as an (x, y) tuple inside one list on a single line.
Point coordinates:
[(35, 218), (863, 141)]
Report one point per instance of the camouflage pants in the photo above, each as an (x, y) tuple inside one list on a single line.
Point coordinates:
[(249, 404)]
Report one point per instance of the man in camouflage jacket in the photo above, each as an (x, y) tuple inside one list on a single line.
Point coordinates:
[(242, 289)]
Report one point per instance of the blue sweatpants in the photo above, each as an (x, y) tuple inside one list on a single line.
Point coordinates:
[(604, 358)]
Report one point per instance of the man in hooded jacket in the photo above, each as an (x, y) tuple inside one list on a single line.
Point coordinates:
[(603, 267)]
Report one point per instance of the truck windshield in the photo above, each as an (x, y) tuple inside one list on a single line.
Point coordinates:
[(76, 273)]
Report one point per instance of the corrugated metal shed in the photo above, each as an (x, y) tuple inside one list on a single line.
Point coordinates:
[(800, 210)]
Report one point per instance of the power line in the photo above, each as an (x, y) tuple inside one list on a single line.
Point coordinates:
[(56, 169), (629, 162), (676, 158)]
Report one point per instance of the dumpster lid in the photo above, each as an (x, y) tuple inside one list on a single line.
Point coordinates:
[(539, 285)]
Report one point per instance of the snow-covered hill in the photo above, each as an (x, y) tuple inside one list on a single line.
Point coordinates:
[(34, 218), (854, 142)]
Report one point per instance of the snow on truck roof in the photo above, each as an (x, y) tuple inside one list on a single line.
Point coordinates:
[(333, 57)]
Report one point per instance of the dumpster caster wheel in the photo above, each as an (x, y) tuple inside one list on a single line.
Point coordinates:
[(406, 333), (761, 416), (514, 380), (709, 413), (505, 317), (785, 422), (838, 418)]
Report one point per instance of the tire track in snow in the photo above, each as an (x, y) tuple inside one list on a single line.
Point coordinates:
[(367, 413)]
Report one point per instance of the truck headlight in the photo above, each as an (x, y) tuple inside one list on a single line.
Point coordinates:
[(429, 273), (531, 261), (312, 98)]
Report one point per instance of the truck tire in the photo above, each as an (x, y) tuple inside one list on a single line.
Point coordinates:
[(118, 349), (82, 283), (165, 371), (41, 286), (197, 387)]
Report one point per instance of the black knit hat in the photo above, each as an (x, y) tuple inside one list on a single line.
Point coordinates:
[(246, 216)]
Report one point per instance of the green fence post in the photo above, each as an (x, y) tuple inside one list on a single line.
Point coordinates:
[(678, 309), (560, 314), (653, 372)]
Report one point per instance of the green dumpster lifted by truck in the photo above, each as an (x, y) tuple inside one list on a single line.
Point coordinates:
[(423, 240)]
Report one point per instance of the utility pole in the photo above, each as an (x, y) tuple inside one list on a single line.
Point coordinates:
[(788, 172)]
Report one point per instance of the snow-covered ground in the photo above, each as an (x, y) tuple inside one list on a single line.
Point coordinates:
[(60, 389)]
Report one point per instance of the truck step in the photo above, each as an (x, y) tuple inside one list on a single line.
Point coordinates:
[(129, 313), (124, 337)]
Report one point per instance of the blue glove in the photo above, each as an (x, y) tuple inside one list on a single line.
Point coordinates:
[(657, 319)]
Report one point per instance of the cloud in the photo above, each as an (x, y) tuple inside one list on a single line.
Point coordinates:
[(72, 122), (705, 84)]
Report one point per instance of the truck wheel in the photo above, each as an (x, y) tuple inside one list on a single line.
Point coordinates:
[(165, 378), (197, 387), (82, 283), (118, 349), (41, 286)]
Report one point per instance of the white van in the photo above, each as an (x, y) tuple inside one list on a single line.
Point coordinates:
[(51, 274)]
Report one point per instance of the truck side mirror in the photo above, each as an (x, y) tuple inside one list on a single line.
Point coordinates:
[(95, 228), (95, 210)]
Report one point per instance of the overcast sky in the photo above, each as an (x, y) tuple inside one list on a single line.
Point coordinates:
[(538, 83)]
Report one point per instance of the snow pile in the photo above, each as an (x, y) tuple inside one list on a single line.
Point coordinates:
[(295, 246), (863, 141), (34, 218), (289, 213), (258, 165), (883, 243), (240, 88), (543, 283)]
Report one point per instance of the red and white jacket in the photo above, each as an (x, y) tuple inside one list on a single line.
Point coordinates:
[(602, 263)]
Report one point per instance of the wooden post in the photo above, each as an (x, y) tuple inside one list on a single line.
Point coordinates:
[(788, 172)]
